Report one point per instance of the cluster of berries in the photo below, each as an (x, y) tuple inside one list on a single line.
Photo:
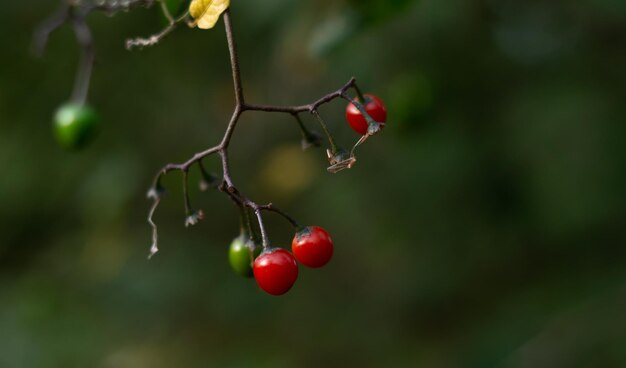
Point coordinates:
[(275, 269)]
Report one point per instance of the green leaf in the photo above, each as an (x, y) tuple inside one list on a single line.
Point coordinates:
[(207, 12)]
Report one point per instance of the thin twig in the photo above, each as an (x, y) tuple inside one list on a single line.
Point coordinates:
[(234, 61), (270, 207), (331, 141), (302, 108), (142, 42)]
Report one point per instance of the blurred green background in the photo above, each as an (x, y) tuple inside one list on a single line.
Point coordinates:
[(486, 226)]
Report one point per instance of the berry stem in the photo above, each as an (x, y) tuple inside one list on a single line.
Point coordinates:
[(361, 96), (243, 229), (264, 238), (83, 75), (253, 233), (308, 138), (186, 192), (303, 129), (245, 223), (270, 207), (331, 141)]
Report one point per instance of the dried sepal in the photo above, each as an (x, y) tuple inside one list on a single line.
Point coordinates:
[(155, 193), (194, 218), (340, 160), (155, 236), (208, 181), (373, 126)]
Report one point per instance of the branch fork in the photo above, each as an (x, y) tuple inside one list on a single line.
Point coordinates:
[(339, 159)]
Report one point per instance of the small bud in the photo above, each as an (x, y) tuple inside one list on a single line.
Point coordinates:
[(311, 139), (154, 249), (155, 193), (208, 181), (194, 218)]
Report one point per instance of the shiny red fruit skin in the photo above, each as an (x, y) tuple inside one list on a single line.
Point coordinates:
[(374, 107), (275, 271), (312, 247)]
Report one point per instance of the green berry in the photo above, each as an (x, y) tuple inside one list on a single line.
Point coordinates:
[(75, 125), (241, 255)]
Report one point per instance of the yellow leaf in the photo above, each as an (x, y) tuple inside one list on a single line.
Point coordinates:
[(207, 12)]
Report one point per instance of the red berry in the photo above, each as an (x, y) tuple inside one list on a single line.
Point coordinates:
[(275, 271), (312, 246), (374, 107)]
